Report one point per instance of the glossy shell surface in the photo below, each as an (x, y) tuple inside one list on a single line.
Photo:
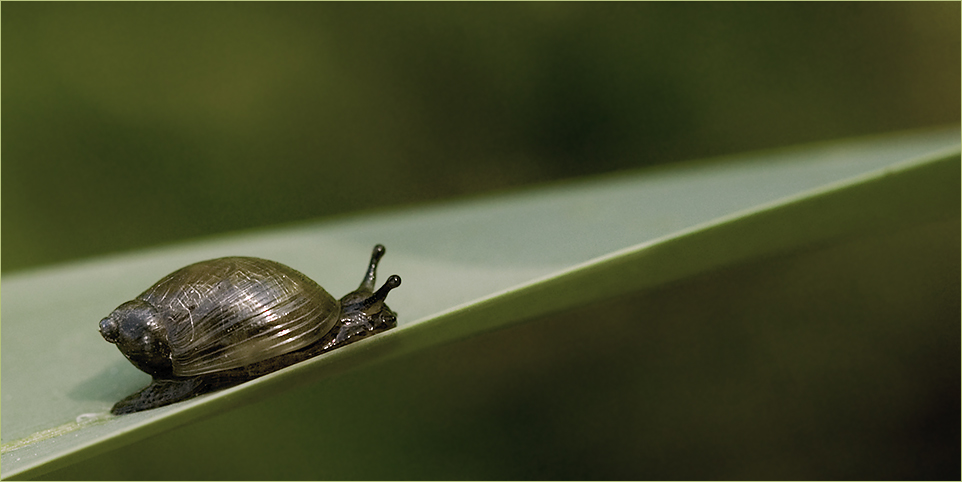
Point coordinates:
[(230, 312)]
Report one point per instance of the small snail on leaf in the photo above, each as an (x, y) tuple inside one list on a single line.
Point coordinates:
[(218, 323)]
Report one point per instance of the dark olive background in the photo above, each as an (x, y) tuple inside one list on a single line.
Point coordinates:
[(137, 124)]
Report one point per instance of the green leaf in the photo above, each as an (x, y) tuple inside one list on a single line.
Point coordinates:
[(471, 270)]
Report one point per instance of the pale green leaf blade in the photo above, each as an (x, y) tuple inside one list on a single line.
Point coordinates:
[(468, 267)]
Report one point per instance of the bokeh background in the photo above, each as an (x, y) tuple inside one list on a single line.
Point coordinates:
[(127, 125)]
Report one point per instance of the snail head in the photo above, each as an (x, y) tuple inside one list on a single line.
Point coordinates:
[(368, 305)]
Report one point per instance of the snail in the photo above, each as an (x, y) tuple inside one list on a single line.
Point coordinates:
[(221, 322)]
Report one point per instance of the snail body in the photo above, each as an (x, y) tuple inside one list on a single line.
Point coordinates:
[(218, 323)]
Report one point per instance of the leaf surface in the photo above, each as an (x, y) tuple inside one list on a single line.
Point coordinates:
[(469, 267)]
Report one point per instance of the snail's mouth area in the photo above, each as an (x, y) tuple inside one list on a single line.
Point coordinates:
[(386, 320)]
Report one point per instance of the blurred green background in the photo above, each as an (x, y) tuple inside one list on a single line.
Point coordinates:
[(137, 124)]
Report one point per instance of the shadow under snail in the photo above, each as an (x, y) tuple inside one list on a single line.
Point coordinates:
[(221, 322)]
